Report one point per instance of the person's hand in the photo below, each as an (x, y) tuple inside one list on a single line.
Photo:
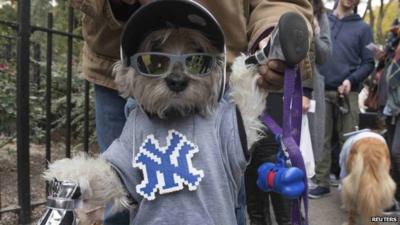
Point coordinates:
[(378, 53), (306, 104), (396, 57), (317, 29), (271, 73), (345, 88), (394, 29)]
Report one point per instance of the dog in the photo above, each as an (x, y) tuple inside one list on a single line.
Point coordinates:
[(368, 188), (183, 148), (177, 93), (182, 154)]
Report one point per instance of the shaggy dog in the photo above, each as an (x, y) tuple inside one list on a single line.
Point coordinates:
[(198, 94), (182, 153), (367, 188), (173, 96)]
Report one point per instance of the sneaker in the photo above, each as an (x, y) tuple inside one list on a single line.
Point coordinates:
[(311, 184), (289, 42), (334, 181), (318, 192), (392, 210)]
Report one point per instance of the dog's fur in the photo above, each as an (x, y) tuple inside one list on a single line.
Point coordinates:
[(250, 99), (201, 95), (98, 182), (368, 187)]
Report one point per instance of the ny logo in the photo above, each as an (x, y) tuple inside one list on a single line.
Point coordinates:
[(167, 168)]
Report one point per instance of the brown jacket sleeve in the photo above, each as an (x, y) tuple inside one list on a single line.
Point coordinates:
[(264, 14), (101, 32), (97, 9)]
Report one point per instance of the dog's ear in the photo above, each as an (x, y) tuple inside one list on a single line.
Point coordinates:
[(124, 77)]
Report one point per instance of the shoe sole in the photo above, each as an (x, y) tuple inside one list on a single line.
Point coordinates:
[(334, 184), (293, 37), (391, 213), (317, 196)]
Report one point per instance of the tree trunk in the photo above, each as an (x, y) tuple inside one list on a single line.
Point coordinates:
[(371, 15), (382, 12), (379, 32)]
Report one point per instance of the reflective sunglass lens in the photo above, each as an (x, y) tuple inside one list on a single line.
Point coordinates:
[(199, 64), (153, 64)]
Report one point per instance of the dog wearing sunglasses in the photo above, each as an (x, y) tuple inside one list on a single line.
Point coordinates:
[(183, 148), (367, 185), (176, 72)]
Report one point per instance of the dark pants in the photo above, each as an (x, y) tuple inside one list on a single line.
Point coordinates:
[(265, 150), (393, 140), (345, 122)]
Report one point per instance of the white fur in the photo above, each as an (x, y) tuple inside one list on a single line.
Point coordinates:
[(98, 182), (250, 99)]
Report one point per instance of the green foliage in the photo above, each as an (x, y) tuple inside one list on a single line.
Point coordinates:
[(388, 18), (59, 107), (8, 113)]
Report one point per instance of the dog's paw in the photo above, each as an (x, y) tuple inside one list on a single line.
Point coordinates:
[(98, 182), (90, 214)]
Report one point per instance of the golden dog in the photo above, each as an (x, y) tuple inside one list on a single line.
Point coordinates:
[(368, 187)]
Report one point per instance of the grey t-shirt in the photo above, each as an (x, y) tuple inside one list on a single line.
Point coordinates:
[(182, 171)]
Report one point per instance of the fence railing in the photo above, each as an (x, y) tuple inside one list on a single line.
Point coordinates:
[(24, 29)]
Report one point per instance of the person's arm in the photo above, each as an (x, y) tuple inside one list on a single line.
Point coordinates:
[(367, 59), (115, 10), (92, 8), (264, 15), (323, 44), (322, 49)]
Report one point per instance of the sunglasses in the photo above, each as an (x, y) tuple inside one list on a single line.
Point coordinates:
[(157, 64)]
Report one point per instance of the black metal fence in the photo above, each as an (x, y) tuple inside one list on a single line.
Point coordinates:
[(24, 29)]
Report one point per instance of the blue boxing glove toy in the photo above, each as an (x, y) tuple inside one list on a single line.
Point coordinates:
[(276, 177)]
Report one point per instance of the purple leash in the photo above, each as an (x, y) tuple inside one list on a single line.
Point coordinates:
[(291, 131)]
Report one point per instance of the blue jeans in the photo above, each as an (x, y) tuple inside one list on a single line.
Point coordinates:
[(240, 210), (110, 116), (110, 119)]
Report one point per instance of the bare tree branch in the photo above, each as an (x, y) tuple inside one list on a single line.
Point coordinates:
[(369, 8), (379, 32), (387, 6)]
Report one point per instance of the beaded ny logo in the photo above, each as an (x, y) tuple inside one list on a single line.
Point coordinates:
[(167, 168)]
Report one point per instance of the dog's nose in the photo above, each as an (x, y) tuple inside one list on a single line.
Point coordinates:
[(177, 83)]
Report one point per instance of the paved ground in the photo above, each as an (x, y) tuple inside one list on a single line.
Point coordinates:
[(327, 211)]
